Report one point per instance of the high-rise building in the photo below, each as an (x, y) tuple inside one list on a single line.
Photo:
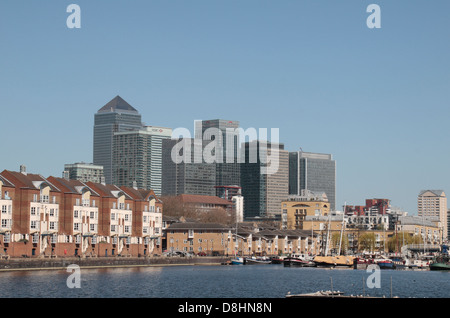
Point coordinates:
[(191, 175), (432, 205), (313, 171), (116, 116), (263, 189), (83, 172), (137, 157), (228, 170)]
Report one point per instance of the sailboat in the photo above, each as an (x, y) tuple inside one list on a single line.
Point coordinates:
[(333, 261), (237, 260)]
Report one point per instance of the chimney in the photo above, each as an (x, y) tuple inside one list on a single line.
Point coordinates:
[(23, 169), (135, 185)]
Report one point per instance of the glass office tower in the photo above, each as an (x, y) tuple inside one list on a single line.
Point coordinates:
[(116, 116), (263, 192), (189, 176), (137, 158), (227, 171), (313, 171)]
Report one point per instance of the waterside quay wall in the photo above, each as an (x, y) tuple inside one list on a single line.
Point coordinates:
[(104, 262)]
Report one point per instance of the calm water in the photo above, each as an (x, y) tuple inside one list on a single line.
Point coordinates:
[(250, 281)]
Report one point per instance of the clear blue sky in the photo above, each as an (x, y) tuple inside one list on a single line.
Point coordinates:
[(377, 99)]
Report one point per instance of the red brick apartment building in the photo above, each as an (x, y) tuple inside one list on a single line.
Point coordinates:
[(56, 217)]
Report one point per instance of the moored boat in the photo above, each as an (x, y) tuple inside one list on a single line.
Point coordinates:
[(299, 260), (334, 261), (385, 264), (257, 260), (278, 259), (237, 261), (441, 262)]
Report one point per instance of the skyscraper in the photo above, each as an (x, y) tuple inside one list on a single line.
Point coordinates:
[(313, 171), (137, 157), (432, 204), (192, 175), (262, 191), (116, 116), (227, 171)]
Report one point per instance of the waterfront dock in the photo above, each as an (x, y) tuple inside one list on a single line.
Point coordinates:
[(106, 262)]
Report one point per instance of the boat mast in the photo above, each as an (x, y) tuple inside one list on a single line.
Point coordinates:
[(328, 235), (342, 229)]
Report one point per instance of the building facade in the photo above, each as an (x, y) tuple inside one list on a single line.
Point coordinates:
[(432, 204), (83, 172), (116, 116), (264, 189), (296, 208), (313, 171), (137, 157), (58, 217), (226, 134), (191, 174), (217, 239)]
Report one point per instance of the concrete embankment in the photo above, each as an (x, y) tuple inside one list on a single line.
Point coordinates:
[(106, 262)]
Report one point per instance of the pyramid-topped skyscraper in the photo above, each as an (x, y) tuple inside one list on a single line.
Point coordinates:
[(116, 116), (118, 104)]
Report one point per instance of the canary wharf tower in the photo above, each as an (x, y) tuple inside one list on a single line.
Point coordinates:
[(116, 116)]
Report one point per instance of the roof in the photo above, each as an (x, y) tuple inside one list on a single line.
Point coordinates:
[(206, 199), (106, 190), (197, 226), (70, 186), (6, 182), (416, 220), (140, 194), (117, 104), (27, 180), (438, 193)]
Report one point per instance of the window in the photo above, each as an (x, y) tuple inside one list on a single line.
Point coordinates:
[(75, 214), (53, 226), (33, 210), (4, 209), (76, 226), (33, 224), (113, 216)]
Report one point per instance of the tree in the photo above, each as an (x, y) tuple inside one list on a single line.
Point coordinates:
[(336, 240), (400, 239), (367, 241), (173, 206)]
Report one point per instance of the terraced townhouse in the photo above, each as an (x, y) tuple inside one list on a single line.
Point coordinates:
[(57, 217)]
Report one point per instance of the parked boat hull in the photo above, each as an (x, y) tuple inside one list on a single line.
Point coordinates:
[(333, 261), (440, 267)]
